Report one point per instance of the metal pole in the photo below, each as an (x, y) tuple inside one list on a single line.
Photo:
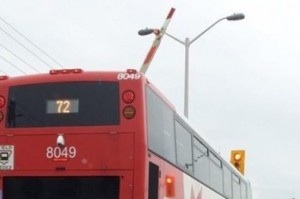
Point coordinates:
[(187, 44), (186, 78)]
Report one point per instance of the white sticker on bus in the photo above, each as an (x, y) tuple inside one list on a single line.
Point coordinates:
[(7, 153)]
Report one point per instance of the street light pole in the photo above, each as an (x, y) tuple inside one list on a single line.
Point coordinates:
[(187, 43), (186, 77)]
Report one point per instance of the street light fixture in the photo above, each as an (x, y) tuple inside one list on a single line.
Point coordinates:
[(187, 43)]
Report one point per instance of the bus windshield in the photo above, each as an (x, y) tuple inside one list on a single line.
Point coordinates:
[(63, 104)]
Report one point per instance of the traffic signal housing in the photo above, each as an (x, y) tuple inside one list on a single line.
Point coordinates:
[(238, 160)]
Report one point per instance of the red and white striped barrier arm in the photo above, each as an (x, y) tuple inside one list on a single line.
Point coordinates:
[(159, 34)]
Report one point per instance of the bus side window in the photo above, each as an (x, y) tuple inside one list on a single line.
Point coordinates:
[(227, 182), (236, 187), (201, 161), (153, 181), (184, 147), (160, 127)]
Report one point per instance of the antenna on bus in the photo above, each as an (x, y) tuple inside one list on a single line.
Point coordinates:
[(158, 37)]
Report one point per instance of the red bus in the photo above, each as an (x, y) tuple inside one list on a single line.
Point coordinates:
[(71, 134)]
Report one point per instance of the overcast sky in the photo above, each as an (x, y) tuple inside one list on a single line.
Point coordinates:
[(244, 75)]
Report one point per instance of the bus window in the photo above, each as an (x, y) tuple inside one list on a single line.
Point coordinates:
[(184, 148), (201, 163), (227, 182), (216, 174), (63, 104), (236, 187), (160, 127), (243, 190)]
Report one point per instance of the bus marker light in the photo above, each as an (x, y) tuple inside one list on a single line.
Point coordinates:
[(53, 72), (129, 112), (170, 186), (3, 77), (65, 71), (169, 180), (2, 101), (128, 97), (77, 70), (131, 71)]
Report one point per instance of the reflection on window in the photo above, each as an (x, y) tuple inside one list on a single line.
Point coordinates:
[(227, 182), (200, 146), (216, 177), (183, 146), (201, 163), (160, 124), (243, 190), (236, 178), (215, 159), (236, 187)]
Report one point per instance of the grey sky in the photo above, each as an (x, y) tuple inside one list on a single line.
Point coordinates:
[(244, 75)]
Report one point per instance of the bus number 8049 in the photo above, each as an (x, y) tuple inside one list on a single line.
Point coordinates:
[(59, 152)]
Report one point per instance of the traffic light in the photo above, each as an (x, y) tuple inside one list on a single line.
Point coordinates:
[(238, 160)]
